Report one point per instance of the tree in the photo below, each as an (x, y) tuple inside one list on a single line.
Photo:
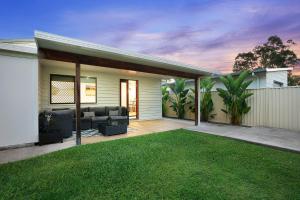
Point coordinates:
[(235, 96), (293, 80), (272, 54), (275, 54), (165, 99), (245, 61), (206, 104), (179, 100)]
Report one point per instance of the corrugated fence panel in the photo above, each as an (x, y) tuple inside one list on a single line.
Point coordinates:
[(220, 116), (270, 107), (188, 114)]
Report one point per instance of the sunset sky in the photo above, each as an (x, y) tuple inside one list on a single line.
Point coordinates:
[(204, 33)]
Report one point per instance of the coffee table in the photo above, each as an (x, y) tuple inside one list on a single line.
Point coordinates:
[(113, 128)]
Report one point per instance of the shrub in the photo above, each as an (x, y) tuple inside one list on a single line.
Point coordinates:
[(235, 95)]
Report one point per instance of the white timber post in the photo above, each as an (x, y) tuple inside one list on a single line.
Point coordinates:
[(199, 101)]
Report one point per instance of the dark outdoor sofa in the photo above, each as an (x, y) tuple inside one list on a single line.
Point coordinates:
[(60, 122), (102, 116)]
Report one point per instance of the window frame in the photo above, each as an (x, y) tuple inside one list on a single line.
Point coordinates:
[(278, 84), (96, 89), (61, 75), (127, 95)]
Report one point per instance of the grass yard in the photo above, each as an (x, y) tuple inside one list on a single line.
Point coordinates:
[(177, 164)]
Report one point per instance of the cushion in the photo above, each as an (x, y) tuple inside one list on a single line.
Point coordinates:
[(118, 117), (63, 112), (100, 118), (73, 112), (88, 114), (113, 113), (99, 111), (56, 109), (109, 108), (124, 111), (82, 110), (48, 116), (44, 119)]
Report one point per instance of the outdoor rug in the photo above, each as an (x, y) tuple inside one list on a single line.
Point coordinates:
[(88, 133)]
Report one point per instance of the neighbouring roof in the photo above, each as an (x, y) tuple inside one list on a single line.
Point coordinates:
[(19, 45), (17, 41), (260, 69), (255, 71)]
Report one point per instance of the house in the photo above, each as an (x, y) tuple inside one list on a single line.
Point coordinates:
[(47, 72), (262, 78)]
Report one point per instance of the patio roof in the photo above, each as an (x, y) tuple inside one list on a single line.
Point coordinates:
[(71, 50)]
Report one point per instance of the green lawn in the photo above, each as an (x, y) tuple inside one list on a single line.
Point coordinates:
[(170, 165)]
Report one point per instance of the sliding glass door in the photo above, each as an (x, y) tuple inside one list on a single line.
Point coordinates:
[(129, 97)]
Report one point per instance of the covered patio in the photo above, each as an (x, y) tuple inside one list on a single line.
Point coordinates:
[(82, 58)]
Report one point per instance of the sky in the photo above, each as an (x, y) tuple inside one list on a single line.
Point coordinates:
[(203, 33)]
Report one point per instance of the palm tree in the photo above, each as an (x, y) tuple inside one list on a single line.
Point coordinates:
[(178, 101), (206, 104), (235, 96), (165, 99), (191, 100)]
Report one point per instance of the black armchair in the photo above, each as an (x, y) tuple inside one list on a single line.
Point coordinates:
[(54, 126)]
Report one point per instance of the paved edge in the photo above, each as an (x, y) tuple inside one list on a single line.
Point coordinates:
[(248, 141)]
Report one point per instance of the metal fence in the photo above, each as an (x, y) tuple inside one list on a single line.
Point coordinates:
[(270, 107)]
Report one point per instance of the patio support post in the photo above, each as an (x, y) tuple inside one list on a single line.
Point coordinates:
[(196, 101), (77, 100), (199, 100)]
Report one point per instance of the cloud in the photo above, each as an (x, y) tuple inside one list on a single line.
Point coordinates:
[(210, 33), (111, 27)]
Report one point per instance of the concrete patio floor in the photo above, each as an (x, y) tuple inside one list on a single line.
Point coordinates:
[(278, 138), (142, 127), (136, 128), (274, 137)]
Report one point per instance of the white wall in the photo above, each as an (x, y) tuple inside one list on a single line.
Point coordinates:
[(280, 76), (150, 98), (19, 99), (108, 91), (259, 81)]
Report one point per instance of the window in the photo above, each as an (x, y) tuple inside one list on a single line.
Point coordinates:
[(277, 83), (62, 89), (129, 97), (88, 90)]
